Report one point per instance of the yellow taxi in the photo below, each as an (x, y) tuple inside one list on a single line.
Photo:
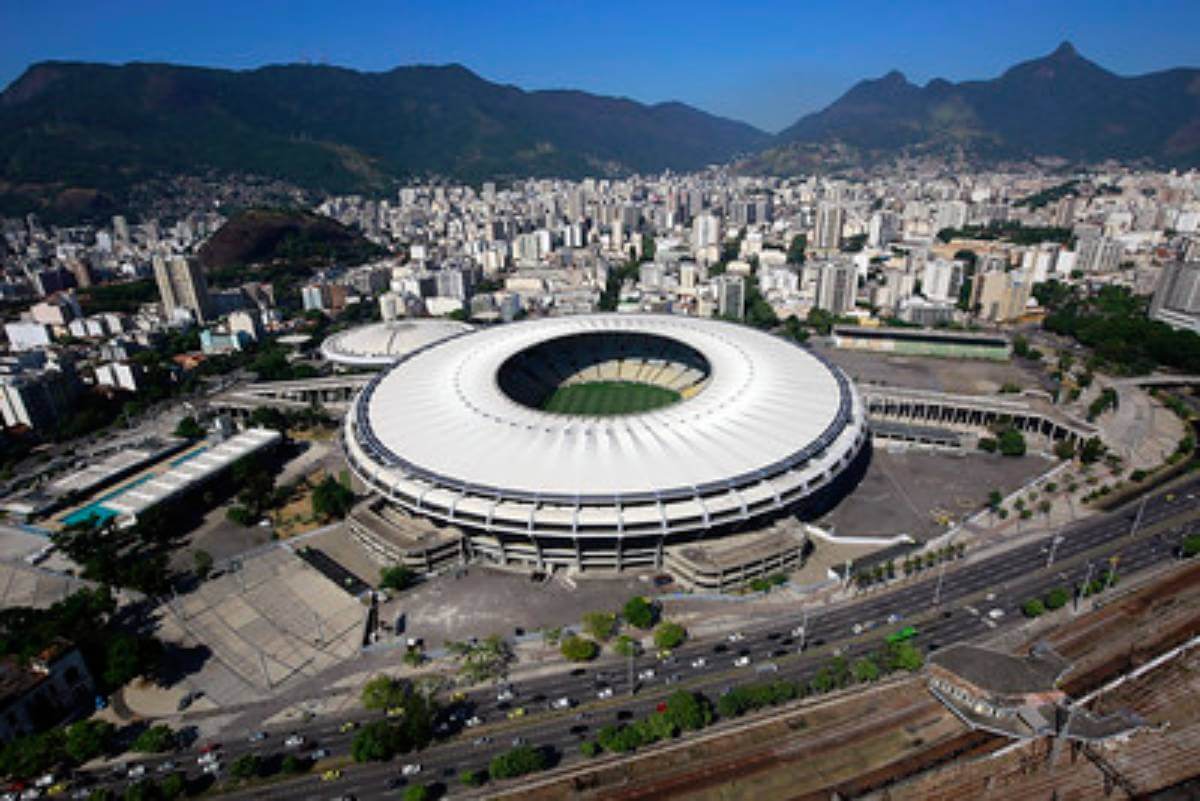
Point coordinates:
[(331, 775)]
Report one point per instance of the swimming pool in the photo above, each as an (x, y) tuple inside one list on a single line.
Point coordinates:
[(187, 457), (96, 509)]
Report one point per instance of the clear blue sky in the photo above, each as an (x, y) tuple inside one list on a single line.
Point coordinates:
[(764, 61)]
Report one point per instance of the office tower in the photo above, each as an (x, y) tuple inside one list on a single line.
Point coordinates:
[(1177, 299), (837, 285), (181, 286), (731, 296), (828, 233)]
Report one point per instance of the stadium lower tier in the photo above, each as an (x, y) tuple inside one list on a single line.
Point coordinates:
[(617, 537)]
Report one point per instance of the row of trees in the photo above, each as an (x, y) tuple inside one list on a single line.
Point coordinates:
[(688, 711)]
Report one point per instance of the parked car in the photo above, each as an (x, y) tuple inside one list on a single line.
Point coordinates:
[(741, 661), (411, 769)]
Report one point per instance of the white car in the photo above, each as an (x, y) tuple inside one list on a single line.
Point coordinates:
[(45, 780), (474, 721), (798, 631), (767, 667), (604, 692), (212, 767), (741, 661), (562, 703), (136, 771), (646, 674), (699, 662), (31, 793), (894, 617), (505, 695), (857, 628), (737, 636), (996, 613), (207, 759), (294, 741), (411, 769)]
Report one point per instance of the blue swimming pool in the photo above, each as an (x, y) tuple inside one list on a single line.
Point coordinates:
[(96, 509), (187, 457)]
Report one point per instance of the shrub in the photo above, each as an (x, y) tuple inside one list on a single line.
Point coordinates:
[(520, 761), (669, 635), (640, 613), (1033, 608), (600, 625), (589, 748), (1057, 598), (579, 649)]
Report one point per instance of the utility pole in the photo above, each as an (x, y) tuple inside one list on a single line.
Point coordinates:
[(1053, 549), (631, 649), (1112, 572), (804, 629), (937, 593), (1137, 520), (1087, 580)]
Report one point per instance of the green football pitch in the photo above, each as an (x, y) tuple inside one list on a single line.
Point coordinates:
[(601, 398)]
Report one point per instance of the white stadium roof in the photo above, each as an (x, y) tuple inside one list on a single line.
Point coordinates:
[(772, 418), (382, 344)]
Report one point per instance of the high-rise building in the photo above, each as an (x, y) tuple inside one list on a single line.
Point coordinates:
[(942, 279), (182, 287), (1099, 254), (706, 231), (837, 286), (731, 296), (1177, 299), (1001, 296), (828, 231)]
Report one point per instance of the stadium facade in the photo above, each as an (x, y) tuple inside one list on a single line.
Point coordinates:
[(458, 433)]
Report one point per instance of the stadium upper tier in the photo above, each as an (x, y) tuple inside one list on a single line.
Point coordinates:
[(381, 344), (456, 431)]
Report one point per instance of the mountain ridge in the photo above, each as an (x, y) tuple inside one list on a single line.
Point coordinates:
[(1058, 105)]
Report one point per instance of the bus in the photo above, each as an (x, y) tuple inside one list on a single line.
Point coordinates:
[(906, 633)]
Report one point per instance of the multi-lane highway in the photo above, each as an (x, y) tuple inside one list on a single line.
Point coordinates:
[(975, 599)]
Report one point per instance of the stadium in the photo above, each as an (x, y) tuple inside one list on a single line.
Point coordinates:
[(599, 441)]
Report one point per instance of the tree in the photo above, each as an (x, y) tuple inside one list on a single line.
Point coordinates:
[(144, 790), (128, 656), (669, 635), (204, 564), (640, 613), (520, 761), (416, 792), (795, 252), (173, 786), (292, 764), (155, 740), (483, 660), (1092, 451), (1011, 442), (902, 656), (865, 670), (1033, 608), (688, 711), (472, 778), (374, 742), (246, 766), (396, 577), (87, 739), (385, 692), (331, 499), (579, 649), (600, 625), (994, 500), (627, 646), (1057, 598), (188, 428)]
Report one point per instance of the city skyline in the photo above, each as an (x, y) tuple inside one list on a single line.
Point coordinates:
[(766, 67)]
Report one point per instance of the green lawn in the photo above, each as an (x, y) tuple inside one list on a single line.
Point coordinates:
[(599, 398)]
